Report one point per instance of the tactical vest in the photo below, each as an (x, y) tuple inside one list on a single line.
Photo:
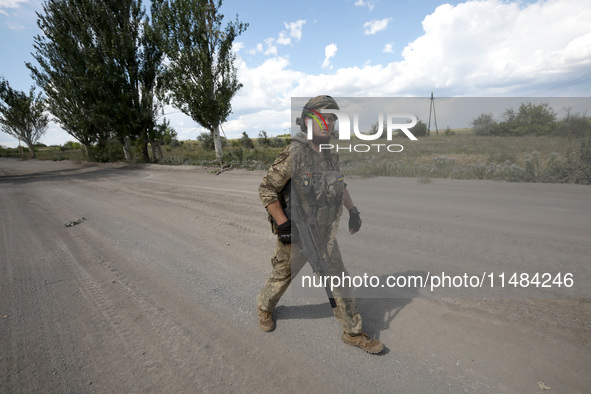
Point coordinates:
[(322, 187)]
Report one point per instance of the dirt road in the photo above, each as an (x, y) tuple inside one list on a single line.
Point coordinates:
[(155, 291)]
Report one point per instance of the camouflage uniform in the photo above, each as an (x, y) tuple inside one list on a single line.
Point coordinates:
[(292, 163)]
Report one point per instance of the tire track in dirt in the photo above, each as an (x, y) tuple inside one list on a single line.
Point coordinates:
[(38, 289), (180, 301), (136, 326), (108, 319), (166, 351)]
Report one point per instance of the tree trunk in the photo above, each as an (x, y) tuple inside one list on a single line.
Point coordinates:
[(85, 148), (217, 143), (126, 150), (156, 151), (154, 158), (31, 150), (160, 155), (145, 152)]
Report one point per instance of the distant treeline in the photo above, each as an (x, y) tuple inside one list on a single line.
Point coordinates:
[(533, 119)]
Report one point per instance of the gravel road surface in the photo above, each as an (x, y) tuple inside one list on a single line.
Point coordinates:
[(155, 291)]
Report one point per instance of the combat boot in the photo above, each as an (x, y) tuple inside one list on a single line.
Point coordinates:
[(266, 321), (364, 342)]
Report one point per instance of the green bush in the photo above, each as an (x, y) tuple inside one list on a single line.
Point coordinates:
[(70, 145), (263, 139), (449, 132), (419, 130), (246, 141), (110, 151), (574, 125), (278, 142), (581, 164), (484, 125), (207, 141)]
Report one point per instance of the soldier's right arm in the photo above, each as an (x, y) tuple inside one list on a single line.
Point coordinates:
[(277, 212), (273, 182)]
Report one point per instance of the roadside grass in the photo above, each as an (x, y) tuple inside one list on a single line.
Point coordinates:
[(466, 156), (193, 153), (457, 155), (53, 153)]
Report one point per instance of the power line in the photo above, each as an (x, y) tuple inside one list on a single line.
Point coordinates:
[(576, 81)]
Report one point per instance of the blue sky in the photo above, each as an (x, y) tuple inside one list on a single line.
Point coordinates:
[(361, 48)]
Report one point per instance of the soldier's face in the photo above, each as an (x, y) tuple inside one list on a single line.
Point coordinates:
[(322, 132)]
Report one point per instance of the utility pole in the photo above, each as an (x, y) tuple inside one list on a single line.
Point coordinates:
[(432, 109)]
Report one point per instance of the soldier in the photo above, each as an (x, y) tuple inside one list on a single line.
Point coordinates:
[(297, 161)]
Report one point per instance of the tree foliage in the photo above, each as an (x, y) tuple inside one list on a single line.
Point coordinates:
[(22, 116), (574, 124), (263, 138), (98, 61), (419, 130), (532, 119), (484, 125), (200, 78), (246, 142), (162, 134), (207, 141)]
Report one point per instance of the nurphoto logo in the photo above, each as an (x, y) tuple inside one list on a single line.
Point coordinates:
[(402, 122)]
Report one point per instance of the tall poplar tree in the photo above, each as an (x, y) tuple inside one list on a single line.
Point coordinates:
[(200, 78), (98, 63), (22, 116)]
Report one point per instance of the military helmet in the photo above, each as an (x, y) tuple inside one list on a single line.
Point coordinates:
[(315, 103)]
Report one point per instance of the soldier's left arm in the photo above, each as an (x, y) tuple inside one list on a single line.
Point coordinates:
[(354, 217), (348, 201)]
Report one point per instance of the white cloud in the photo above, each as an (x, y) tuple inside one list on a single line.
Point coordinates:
[(473, 49), (388, 48), (329, 52), (376, 25), (283, 39), (268, 85), (493, 45), (369, 4), (255, 50), (579, 48), (271, 48), (237, 46), (295, 29), (476, 48), (12, 3), (15, 26), (273, 121)]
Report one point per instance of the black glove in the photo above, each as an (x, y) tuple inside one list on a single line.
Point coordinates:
[(284, 232), (354, 220)]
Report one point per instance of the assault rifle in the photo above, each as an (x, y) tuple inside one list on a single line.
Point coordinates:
[(310, 242)]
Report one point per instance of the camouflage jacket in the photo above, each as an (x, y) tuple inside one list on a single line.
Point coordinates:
[(297, 162)]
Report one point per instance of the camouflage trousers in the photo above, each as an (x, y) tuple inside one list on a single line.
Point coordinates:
[(287, 264)]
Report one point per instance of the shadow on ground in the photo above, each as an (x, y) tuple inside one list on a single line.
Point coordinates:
[(83, 173), (378, 306)]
